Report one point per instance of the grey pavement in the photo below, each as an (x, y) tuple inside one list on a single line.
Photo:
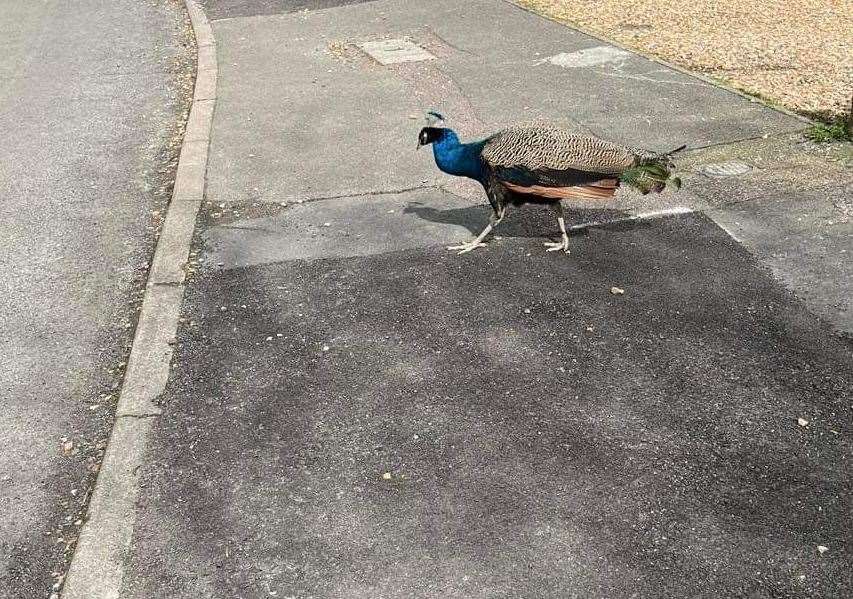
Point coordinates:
[(355, 412), (89, 105)]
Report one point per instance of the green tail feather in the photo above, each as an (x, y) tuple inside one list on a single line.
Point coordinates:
[(654, 175), (649, 177)]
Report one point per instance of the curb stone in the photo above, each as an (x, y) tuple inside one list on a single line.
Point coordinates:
[(98, 565)]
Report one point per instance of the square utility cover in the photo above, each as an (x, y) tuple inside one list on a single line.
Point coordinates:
[(394, 51)]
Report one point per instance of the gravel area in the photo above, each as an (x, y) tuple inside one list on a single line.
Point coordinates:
[(798, 53)]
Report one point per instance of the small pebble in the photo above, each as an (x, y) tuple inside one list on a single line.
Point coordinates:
[(802, 422), (387, 476), (822, 549), (617, 291)]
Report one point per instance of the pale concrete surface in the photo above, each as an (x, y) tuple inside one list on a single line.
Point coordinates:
[(355, 226), (88, 106)]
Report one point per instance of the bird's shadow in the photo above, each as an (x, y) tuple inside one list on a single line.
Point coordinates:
[(526, 221)]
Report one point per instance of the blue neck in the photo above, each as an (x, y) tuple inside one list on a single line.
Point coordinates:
[(455, 158)]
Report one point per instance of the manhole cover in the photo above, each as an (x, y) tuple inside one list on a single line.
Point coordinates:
[(725, 169), (395, 51)]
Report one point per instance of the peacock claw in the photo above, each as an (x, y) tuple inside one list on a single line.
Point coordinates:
[(466, 247), (560, 245)]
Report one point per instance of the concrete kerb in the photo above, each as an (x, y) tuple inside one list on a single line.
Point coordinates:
[(98, 565)]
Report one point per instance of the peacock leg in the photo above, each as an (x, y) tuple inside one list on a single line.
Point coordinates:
[(564, 244), (478, 243)]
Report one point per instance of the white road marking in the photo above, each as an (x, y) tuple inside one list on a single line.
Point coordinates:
[(636, 217), (588, 58)]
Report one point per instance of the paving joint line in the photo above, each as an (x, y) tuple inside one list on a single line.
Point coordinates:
[(100, 559), (733, 142), (346, 196), (137, 416)]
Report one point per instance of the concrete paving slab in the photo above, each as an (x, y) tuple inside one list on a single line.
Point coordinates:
[(363, 226), (420, 424), (357, 226)]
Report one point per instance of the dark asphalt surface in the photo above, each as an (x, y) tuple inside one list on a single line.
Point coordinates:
[(88, 107), (542, 436)]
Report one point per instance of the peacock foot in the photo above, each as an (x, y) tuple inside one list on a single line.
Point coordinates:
[(560, 245), (467, 247)]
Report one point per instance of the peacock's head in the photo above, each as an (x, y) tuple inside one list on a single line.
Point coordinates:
[(430, 135), (432, 132)]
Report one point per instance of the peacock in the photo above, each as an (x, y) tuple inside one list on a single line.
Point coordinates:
[(544, 163)]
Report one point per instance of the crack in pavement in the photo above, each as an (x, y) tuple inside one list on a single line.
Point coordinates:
[(137, 416), (384, 192)]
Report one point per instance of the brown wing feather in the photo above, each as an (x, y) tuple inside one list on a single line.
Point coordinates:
[(600, 190), (540, 147)]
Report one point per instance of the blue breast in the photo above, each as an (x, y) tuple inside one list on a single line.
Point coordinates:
[(455, 158)]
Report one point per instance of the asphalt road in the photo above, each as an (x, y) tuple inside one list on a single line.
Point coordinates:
[(89, 103), (420, 424)]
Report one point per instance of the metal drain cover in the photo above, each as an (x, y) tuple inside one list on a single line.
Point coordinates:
[(395, 51), (732, 168)]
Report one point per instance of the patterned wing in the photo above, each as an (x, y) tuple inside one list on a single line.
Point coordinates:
[(543, 147), (553, 162)]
